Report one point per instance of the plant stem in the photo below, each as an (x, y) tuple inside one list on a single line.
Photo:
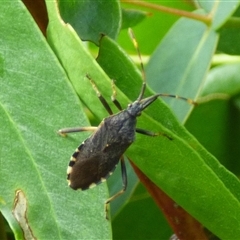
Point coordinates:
[(207, 19)]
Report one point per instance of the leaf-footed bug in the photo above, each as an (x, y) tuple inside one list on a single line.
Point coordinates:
[(96, 158)]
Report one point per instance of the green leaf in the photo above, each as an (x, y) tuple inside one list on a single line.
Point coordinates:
[(228, 32), (169, 72), (212, 124), (36, 100), (223, 79), (154, 27), (92, 19), (221, 10), (220, 108), (131, 17)]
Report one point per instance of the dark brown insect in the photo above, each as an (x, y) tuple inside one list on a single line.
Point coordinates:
[(96, 158)]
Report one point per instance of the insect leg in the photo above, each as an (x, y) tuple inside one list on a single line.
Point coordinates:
[(114, 100), (64, 131), (101, 98), (152, 134), (124, 182)]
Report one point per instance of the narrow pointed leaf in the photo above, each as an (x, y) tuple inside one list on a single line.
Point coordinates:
[(36, 100)]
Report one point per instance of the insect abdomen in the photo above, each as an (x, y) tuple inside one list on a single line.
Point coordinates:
[(96, 158)]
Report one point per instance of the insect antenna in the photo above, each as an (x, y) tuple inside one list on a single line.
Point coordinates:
[(190, 101), (140, 97), (135, 43)]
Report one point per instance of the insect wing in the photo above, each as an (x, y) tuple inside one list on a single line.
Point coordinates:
[(96, 158)]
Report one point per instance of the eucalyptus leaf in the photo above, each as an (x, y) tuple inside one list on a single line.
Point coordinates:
[(221, 10), (131, 17), (37, 100), (169, 72), (104, 17)]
